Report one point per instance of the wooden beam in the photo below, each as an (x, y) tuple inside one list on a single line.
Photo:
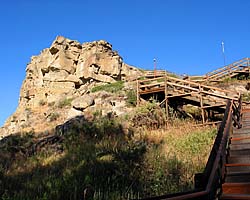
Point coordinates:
[(137, 94), (181, 95), (213, 106), (154, 90), (201, 104), (166, 98)]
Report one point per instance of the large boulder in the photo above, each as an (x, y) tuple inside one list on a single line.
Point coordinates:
[(83, 102)]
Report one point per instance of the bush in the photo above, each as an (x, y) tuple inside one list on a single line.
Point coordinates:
[(53, 116), (110, 87), (51, 104), (246, 97), (149, 116), (42, 102), (131, 98), (65, 102)]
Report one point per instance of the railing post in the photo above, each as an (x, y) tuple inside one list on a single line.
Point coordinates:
[(137, 94), (166, 96), (201, 104), (248, 67)]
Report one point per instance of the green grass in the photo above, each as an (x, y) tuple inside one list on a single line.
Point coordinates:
[(246, 97), (193, 144), (110, 87), (42, 102), (53, 116), (64, 102), (131, 98), (99, 155)]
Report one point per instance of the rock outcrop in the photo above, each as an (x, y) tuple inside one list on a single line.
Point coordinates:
[(66, 70)]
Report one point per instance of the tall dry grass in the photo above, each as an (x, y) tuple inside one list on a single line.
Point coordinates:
[(185, 147)]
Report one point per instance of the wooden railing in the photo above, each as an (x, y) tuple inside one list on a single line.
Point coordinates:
[(155, 73), (208, 184), (184, 86), (228, 70)]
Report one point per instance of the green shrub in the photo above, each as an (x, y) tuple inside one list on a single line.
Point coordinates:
[(42, 102), (246, 97), (65, 102), (110, 87), (196, 142), (53, 116), (131, 98), (50, 104)]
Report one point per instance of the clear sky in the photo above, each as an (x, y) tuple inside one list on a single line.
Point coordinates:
[(183, 35)]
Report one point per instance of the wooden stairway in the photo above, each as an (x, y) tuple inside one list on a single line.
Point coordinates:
[(186, 91), (237, 179), (229, 71)]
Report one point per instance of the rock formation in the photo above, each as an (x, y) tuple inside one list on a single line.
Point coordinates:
[(64, 73)]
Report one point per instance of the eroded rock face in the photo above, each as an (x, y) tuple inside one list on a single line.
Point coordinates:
[(67, 68)]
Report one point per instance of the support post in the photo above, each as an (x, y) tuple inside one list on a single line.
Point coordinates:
[(166, 96), (248, 67), (137, 94), (201, 104)]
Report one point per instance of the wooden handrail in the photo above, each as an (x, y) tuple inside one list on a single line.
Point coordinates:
[(227, 70), (214, 171), (227, 67), (188, 85)]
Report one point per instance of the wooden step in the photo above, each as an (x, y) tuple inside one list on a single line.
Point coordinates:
[(238, 169), (235, 196), (240, 140), (238, 177), (243, 152), (236, 188), (240, 134), (240, 146), (238, 159)]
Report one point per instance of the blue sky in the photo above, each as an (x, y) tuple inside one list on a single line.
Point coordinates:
[(183, 35)]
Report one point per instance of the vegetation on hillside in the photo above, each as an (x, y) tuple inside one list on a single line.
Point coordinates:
[(105, 158), (109, 87)]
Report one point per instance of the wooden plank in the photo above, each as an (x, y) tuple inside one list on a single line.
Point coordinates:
[(213, 106), (152, 85), (235, 196), (237, 165), (183, 86), (137, 94), (166, 98), (201, 105), (180, 95), (236, 188), (226, 67), (155, 90), (226, 72), (219, 95), (150, 80)]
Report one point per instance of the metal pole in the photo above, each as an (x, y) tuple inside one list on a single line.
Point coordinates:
[(154, 67), (223, 52)]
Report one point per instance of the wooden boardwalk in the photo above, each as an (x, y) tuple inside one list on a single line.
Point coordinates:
[(237, 179), (175, 92), (226, 175), (233, 70), (227, 172)]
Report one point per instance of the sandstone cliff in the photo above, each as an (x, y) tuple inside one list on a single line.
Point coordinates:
[(58, 81)]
